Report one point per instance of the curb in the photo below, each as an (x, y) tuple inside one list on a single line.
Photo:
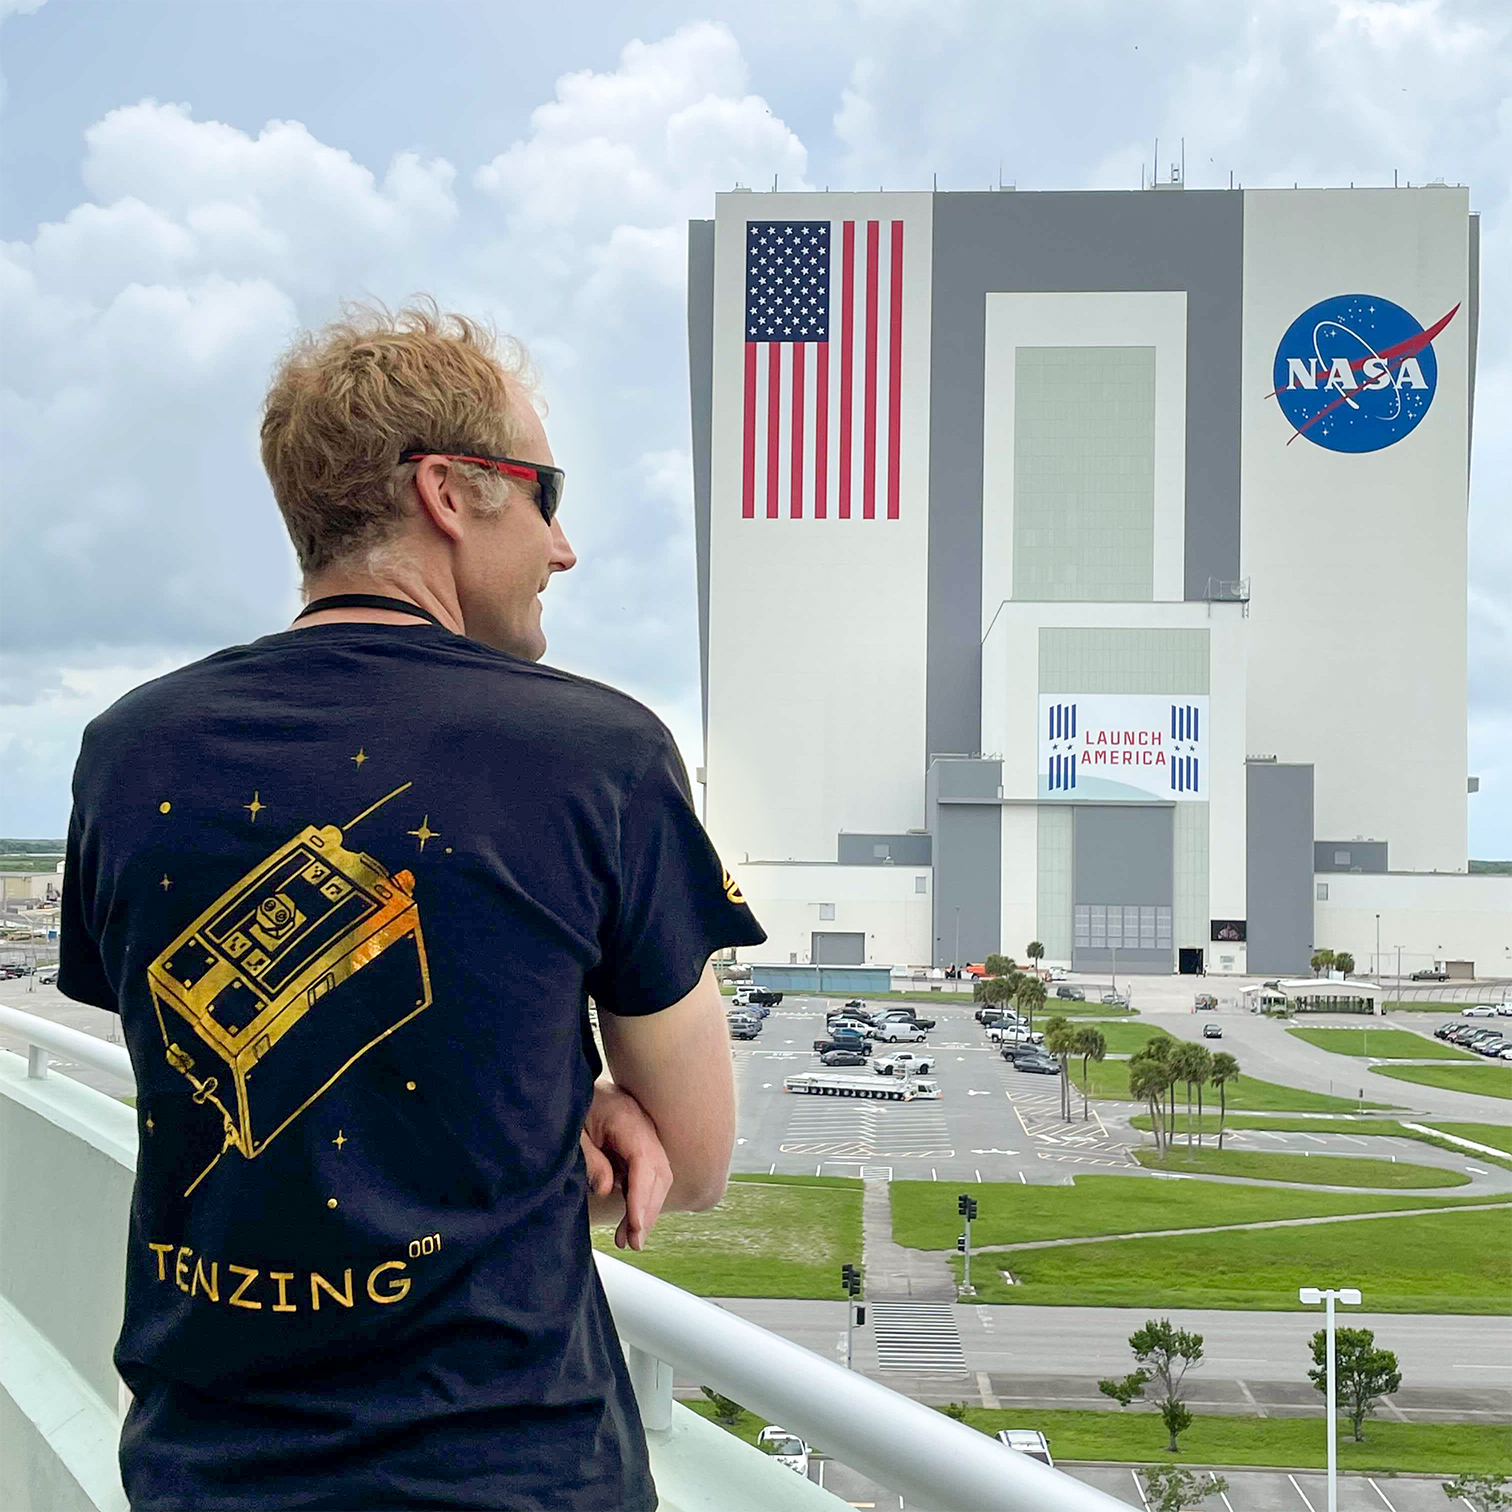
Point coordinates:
[(1425, 1475)]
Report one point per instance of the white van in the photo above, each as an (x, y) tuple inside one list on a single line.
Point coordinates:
[(47, 974), (1029, 1441)]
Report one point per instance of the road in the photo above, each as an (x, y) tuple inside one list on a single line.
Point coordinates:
[(1256, 1362)]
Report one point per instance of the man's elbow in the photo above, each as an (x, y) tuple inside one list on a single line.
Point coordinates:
[(707, 1194), (698, 1185)]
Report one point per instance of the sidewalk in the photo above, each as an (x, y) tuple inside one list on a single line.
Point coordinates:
[(893, 1272)]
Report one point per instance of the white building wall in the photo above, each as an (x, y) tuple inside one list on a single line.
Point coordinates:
[(1156, 320), (1432, 918), (1020, 878), (882, 902), (1357, 561), (817, 633)]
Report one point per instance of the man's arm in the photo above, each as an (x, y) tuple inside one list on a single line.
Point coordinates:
[(676, 1064)]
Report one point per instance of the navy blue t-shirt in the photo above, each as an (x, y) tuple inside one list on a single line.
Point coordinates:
[(350, 888)]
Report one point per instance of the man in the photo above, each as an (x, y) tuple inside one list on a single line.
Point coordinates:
[(350, 888)]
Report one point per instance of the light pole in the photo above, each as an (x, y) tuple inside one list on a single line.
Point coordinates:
[(1350, 1296), (1378, 948), (957, 959)]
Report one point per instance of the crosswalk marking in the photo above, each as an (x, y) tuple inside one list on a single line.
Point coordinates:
[(917, 1336)]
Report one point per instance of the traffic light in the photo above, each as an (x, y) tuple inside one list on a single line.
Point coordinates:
[(850, 1280), (961, 1243), (861, 1317), (966, 1206)]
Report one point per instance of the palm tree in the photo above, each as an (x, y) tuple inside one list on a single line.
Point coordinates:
[(1035, 952), (1090, 1044), (1159, 1049), (1225, 1069), (1189, 1062), (1344, 962), (1029, 994), (1321, 961), (1149, 1076), (1060, 1040)]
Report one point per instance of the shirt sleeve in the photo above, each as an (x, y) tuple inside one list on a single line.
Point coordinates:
[(81, 970), (674, 904)]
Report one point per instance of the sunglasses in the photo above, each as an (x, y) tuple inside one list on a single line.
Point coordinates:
[(548, 479)]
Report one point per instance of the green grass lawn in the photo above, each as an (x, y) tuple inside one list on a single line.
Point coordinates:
[(1392, 1044), (1136, 1435), (1111, 1079), (1123, 1038), (1486, 1079), (924, 1212), (1449, 1262), (772, 1236), (1498, 1136), (1282, 1123), (1309, 1170)]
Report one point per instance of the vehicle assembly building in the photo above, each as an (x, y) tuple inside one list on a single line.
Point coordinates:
[(1090, 568)]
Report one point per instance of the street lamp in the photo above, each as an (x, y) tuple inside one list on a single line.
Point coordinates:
[(1378, 948), (1350, 1296)]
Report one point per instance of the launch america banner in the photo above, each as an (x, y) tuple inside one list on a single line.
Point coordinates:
[(1128, 746)]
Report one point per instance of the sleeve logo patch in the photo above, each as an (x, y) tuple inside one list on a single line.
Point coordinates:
[(732, 889)]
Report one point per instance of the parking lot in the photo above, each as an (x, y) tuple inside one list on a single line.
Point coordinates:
[(1248, 1490), (993, 1123)]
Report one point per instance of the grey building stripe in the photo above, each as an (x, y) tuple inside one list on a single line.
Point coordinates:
[(1474, 333), (1191, 240), (701, 390)]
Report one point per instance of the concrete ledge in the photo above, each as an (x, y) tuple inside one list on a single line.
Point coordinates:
[(58, 1440)]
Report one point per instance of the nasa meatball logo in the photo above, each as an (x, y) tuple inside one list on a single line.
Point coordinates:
[(1356, 373)]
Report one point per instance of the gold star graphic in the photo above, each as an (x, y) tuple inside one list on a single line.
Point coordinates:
[(165, 884), (360, 757), (255, 807), (150, 1125), (425, 832), (339, 1140)]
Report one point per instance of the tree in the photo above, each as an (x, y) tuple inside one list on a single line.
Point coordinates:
[(1321, 961), (1149, 1079), (727, 1411), (1484, 1492), (996, 990), (1344, 962), (1163, 1355), (1192, 1064), (1090, 1044), (1363, 1374), (1060, 1040), (1225, 1070), (1160, 1082), (956, 1411), (1029, 994), (999, 965), (1035, 952), (1170, 1488)]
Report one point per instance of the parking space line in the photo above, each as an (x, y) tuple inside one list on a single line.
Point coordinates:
[(1223, 1495), (1300, 1492), (1139, 1487), (1380, 1493)]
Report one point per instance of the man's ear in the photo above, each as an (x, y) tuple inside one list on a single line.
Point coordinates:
[(438, 492)]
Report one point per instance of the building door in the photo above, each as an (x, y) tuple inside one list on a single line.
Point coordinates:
[(832, 948), (1189, 962)]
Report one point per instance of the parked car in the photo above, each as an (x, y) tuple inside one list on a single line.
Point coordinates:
[(1058, 974), (46, 974), (1206, 1002), (893, 1030), (1212, 1031), (1432, 974), (759, 997), (1015, 1034), (1442, 1032), (843, 1058), (903, 1063), (1028, 1441), (1504, 1010), (743, 1026), (1493, 1045), (786, 1448), (1031, 1060), (1478, 1010), (1111, 997), (990, 1013), (1072, 994), (860, 1026), (910, 1015)]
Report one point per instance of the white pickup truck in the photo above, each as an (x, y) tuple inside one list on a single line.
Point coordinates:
[(903, 1063), (1014, 1034)]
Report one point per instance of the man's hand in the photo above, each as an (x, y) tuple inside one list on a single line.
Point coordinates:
[(624, 1156)]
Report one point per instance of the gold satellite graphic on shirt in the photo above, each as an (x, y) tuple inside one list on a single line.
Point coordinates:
[(253, 998)]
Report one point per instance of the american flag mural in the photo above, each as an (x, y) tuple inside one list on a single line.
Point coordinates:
[(823, 369)]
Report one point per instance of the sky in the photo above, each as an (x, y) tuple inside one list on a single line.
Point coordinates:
[(183, 185)]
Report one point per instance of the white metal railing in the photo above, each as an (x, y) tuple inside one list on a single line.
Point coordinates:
[(937, 1464)]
